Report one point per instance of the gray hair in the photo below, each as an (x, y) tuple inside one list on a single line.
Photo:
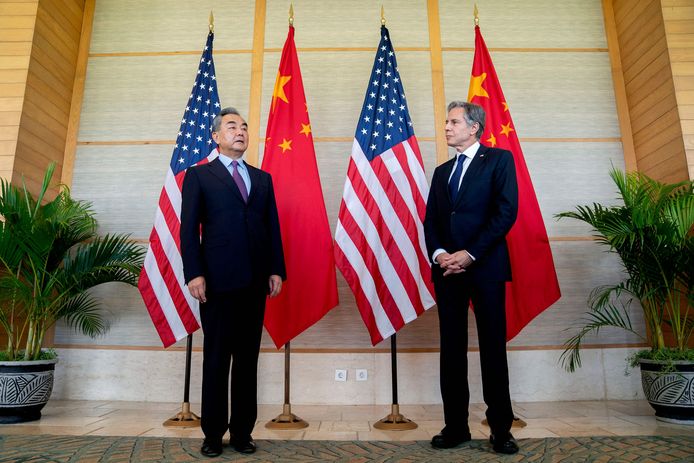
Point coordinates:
[(217, 121), (471, 113)]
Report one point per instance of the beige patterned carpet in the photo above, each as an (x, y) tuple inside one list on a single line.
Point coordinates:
[(55, 449)]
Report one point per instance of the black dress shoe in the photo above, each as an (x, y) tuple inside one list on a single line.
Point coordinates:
[(444, 440), (243, 446), (211, 448), (508, 446)]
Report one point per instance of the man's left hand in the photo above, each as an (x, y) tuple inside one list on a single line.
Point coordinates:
[(456, 262), (275, 285)]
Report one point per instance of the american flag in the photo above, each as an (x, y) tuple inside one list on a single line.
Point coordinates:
[(380, 238), (174, 311)]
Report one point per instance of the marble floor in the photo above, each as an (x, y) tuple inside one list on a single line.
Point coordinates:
[(355, 422)]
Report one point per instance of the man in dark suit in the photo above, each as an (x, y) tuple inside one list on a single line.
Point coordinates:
[(472, 205), (230, 270)]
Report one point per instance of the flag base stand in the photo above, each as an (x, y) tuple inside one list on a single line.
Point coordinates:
[(286, 420), (395, 421), (184, 419), (517, 423)]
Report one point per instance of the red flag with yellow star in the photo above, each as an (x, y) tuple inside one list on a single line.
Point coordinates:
[(311, 287), (534, 287)]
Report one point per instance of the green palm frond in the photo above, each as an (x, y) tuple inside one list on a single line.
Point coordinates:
[(609, 315), (83, 312), (105, 259)]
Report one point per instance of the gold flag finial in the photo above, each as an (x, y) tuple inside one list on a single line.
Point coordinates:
[(383, 16), (477, 18), (211, 22), (291, 14)]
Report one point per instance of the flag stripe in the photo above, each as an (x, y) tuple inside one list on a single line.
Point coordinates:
[(411, 165), (418, 198), (167, 215), (385, 224), (155, 310), (360, 278), (169, 313), (369, 240), (167, 253), (395, 226), (172, 191), (398, 190)]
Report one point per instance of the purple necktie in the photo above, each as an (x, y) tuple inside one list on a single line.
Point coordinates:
[(239, 181)]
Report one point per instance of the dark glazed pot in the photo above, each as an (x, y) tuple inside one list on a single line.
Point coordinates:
[(671, 394), (25, 388)]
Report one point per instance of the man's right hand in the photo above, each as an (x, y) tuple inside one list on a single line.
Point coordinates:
[(453, 263), (441, 258), (196, 286)]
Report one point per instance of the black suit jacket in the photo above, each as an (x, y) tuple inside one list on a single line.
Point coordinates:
[(241, 243), (479, 218)]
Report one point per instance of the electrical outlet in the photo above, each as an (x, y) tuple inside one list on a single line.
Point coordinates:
[(340, 375), (362, 374)]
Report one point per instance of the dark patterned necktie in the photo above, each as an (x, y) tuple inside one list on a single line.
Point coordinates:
[(239, 181), (454, 183)]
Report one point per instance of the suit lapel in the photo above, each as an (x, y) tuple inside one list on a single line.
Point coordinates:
[(471, 172), (254, 175), (220, 171)]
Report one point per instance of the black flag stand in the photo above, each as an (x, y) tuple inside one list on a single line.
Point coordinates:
[(185, 418), (286, 420), (395, 421)]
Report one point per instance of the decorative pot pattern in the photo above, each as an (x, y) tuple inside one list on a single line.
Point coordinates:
[(671, 394), (25, 388), (22, 390)]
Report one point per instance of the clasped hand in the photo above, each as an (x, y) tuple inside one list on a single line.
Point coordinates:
[(454, 263)]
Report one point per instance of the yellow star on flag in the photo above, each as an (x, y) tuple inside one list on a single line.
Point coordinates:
[(476, 88), (285, 145), (492, 140), (280, 82), (506, 129), (305, 129), (505, 106)]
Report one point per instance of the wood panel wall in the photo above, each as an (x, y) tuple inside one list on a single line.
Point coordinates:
[(47, 101), (678, 16), (650, 85), (17, 21)]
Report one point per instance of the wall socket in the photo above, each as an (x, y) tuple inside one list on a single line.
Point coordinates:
[(340, 375), (362, 374)]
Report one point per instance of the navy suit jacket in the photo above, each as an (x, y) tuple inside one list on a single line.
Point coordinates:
[(479, 218), (241, 243)]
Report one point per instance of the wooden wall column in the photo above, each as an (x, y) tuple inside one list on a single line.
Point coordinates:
[(39, 45), (655, 40)]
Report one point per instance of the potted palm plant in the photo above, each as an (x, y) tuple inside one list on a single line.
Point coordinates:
[(50, 256), (652, 232)]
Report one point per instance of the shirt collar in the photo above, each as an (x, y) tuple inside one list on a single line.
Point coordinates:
[(470, 151), (226, 160)]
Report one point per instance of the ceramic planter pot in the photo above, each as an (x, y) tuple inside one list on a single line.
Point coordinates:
[(25, 388), (671, 394)]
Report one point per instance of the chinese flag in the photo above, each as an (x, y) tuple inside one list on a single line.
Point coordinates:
[(534, 287), (311, 288)]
